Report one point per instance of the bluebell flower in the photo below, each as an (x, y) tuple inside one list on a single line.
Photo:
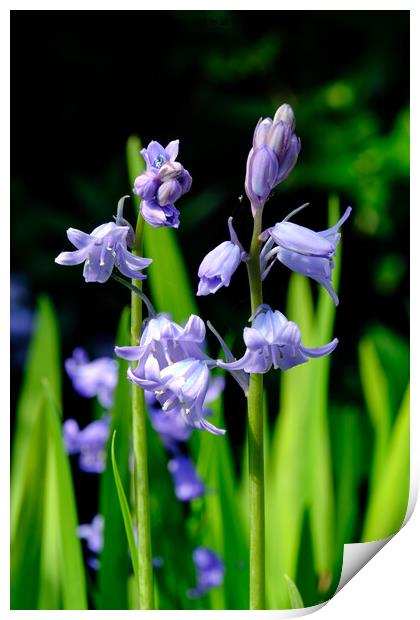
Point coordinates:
[(22, 319), (210, 571), (273, 155), (93, 534), (274, 341), (218, 266), (171, 363), (171, 425), (104, 248), (93, 378), (101, 250), (89, 443), (162, 184), (167, 342), (303, 250), (188, 485)]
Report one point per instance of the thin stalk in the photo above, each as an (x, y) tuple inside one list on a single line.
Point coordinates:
[(141, 482), (255, 440)]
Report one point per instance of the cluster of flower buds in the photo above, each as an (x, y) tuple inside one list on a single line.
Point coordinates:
[(164, 181), (273, 341), (273, 155)]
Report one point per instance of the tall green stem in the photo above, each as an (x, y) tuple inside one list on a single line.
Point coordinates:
[(255, 440), (141, 482)]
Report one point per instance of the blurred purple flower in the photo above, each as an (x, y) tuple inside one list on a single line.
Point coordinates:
[(89, 443), (303, 250), (93, 378), (273, 155), (164, 181), (188, 485), (210, 571), (93, 534), (104, 248), (274, 341), (22, 319), (218, 266)]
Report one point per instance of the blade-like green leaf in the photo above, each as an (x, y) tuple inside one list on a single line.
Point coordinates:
[(43, 361), (167, 275), (296, 601), (375, 389), (300, 471), (223, 531), (63, 573), (125, 511), (389, 498), (114, 560)]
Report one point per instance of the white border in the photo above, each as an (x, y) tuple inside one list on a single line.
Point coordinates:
[(388, 585)]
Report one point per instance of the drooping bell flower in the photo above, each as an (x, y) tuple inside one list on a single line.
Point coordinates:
[(103, 249), (167, 342), (218, 266), (273, 341), (303, 250), (273, 155), (170, 425), (93, 378), (162, 184), (167, 356), (210, 571), (188, 485)]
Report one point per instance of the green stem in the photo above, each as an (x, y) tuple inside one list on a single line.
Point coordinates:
[(255, 441), (141, 483)]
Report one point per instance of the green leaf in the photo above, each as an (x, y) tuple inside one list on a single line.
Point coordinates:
[(167, 275), (375, 389), (114, 560), (296, 601), (62, 579), (125, 511), (223, 531), (389, 498), (43, 361), (300, 470)]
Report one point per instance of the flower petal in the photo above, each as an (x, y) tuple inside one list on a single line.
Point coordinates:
[(72, 258)]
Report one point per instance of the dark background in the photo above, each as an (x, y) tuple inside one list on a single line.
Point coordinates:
[(83, 82)]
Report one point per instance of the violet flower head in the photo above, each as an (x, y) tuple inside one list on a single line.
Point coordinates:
[(162, 184), (218, 266), (93, 378), (188, 485), (210, 571), (89, 443), (274, 341), (103, 249), (171, 425), (273, 155), (303, 250), (173, 365), (93, 534)]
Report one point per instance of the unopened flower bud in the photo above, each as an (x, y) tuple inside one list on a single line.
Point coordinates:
[(169, 192)]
